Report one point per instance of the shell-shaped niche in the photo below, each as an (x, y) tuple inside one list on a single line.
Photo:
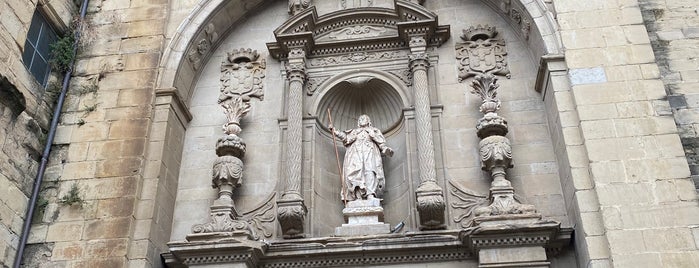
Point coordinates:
[(353, 97)]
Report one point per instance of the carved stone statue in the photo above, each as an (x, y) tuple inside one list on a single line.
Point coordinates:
[(362, 167)]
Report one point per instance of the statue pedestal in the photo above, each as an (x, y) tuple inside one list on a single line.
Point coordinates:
[(363, 217)]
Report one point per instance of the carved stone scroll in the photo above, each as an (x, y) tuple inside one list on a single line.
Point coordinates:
[(241, 79), (481, 53)]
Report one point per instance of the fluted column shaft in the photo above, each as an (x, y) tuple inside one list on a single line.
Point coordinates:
[(296, 73)]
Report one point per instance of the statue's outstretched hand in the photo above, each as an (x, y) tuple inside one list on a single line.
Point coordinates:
[(388, 152)]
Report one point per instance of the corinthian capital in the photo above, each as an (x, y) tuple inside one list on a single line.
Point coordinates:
[(296, 67)]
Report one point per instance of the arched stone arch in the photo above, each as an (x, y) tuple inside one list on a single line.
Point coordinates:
[(178, 71)]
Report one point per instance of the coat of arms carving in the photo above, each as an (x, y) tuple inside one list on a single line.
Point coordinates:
[(241, 75), (481, 53)]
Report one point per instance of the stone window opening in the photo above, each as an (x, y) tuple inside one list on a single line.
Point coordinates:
[(36, 48)]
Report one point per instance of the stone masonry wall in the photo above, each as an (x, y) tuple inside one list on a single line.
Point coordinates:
[(100, 146), (673, 27), (638, 204), (25, 112)]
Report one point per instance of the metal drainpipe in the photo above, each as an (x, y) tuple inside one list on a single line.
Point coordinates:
[(47, 149)]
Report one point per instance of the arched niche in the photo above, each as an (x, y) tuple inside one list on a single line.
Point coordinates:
[(351, 94)]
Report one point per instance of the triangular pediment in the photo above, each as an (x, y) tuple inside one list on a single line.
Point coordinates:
[(357, 29)]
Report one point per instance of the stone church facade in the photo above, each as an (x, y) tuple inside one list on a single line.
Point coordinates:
[(522, 133)]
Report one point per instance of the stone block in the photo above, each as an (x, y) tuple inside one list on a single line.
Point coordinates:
[(517, 256), (135, 97), (68, 251), (106, 248), (625, 194), (679, 259), (129, 129), (118, 167), (115, 207), (625, 241), (79, 170), (649, 216), (108, 228), (65, 231), (141, 44), (583, 76), (676, 239), (144, 28), (598, 129), (90, 131), (362, 229)]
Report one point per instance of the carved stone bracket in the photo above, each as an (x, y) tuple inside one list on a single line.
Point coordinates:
[(291, 213), (430, 205)]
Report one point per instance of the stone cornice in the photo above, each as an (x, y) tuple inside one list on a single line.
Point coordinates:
[(327, 252), (175, 100)]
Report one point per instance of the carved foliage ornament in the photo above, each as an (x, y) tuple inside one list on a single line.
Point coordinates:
[(358, 57), (481, 53), (357, 31)]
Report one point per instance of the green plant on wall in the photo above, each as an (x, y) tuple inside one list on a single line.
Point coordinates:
[(62, 53), (72, 197)]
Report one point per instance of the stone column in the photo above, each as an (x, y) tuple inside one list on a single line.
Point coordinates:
[(291, 208), (430, 199)]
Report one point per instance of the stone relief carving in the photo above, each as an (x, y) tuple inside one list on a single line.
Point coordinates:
[(314, 83), (481, 53), (356, 3), (404, 75), (466, 202), (358, 57), (241, 75), (196, 54), (357, 32), (296, 6), (240, 81), (524, 23)]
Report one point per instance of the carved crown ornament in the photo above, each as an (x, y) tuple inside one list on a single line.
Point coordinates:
[(357, 30)]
